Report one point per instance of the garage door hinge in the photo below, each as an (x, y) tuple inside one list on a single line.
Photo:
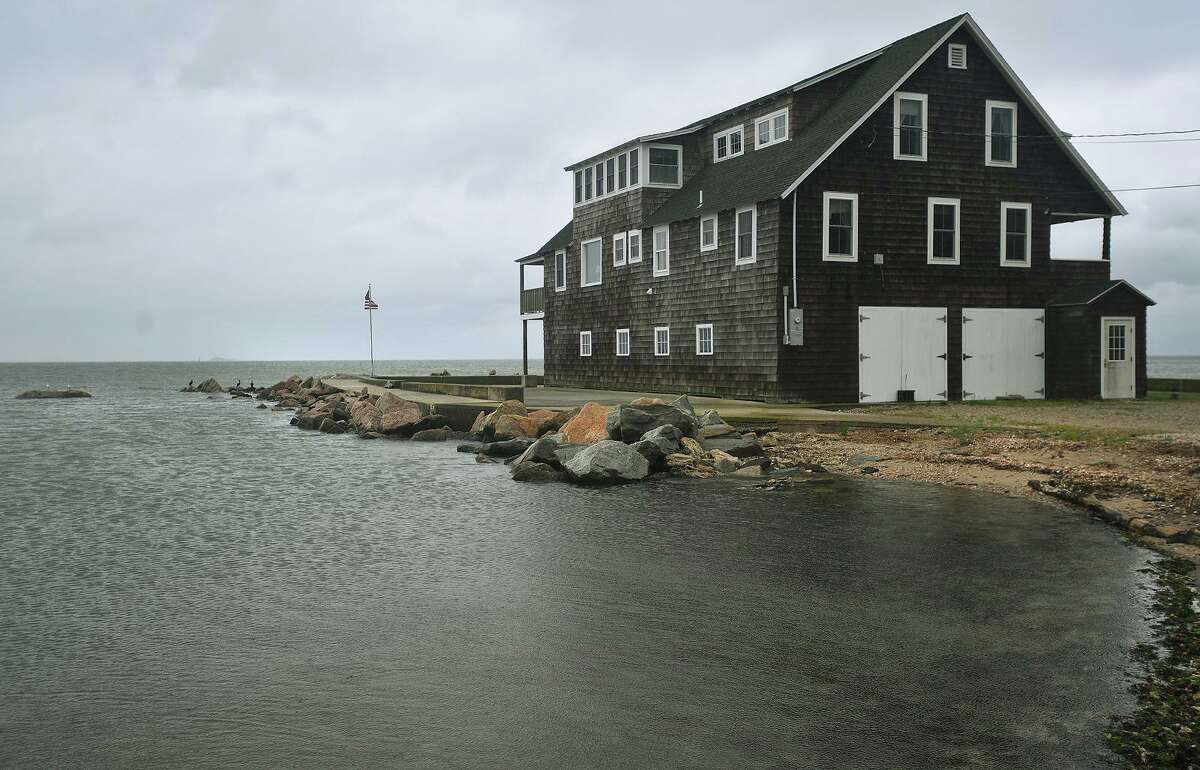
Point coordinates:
[(1040, 355), (862, 318), (967, 355), (965, 319), (1040, 391), (942, 394), (942, 356), (862, 395), (942, 318), (967, 393), (1041, 319), (863, 356)]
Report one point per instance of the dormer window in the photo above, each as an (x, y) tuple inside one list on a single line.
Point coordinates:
[(958, 56), (771, 129), (909, 137), (728, 144), (665, 164)]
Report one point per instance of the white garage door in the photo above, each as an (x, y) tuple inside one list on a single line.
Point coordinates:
[(1003, 353), (901, 348)]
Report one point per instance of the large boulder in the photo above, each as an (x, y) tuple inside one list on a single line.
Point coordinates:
[(723, 461), (403, 418), (511, 407), (588, 426), (738, 446), (537, 472), (477, 426), (390, 402), (628, 423), (210, 386), (290, 385), (543, 451), (365, 416), (683, 404), (514, 426), (711, 425), (655, 445), (607, 462), (432, 434), (556, 423)]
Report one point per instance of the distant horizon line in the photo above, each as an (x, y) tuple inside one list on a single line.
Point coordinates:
[(256, 360)]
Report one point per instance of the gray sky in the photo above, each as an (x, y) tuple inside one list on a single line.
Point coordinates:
[(180, 181)]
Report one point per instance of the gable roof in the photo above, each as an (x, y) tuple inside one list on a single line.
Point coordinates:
[(1088, 293), (777, 172)]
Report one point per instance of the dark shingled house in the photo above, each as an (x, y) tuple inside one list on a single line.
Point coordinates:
[(879, 231)]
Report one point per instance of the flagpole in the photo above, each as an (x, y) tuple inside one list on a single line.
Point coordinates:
[(371, 326)]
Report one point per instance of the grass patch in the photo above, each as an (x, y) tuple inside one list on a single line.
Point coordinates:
[(1165, 395), (1164, 729)]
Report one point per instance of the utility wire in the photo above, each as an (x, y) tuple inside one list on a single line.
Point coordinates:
[(1064, 135)]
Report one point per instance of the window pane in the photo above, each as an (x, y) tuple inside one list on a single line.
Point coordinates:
[(578, 186), (633, 167), (587, 184), (1014, 249), (780, 126), (722, 146), (664, 166), (599, 179), (841, 212), (635, 247), (619, 250), (621, 171), (611, 180), (911, 125), (707, 231), (943, 231), (735, 143), (1002, 129), (591, 262), (764, 132)]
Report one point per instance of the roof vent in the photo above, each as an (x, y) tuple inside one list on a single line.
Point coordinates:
[(958, 56)]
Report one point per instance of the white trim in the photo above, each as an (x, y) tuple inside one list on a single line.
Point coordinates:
[(929, 258), (825, 255), (838, 70), (563, 274), (589, 191), (738, 129), (712, 341), (738, 257), (1028, 259), (585, 351), (666, 268), (770, 121), (583, 262), (666, 329), (644, 164), (989, 105), (910, 97), (712, 246), (628, 247), (619, 238), (598, 172), (628, 343), (950, 51), (1130, 345)]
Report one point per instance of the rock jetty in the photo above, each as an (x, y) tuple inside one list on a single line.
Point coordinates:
[(49, 393)]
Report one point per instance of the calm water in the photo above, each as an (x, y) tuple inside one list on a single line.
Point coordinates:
[(186, 581), (1187, 367)]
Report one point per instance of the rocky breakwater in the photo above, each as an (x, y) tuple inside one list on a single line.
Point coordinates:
[(630, 442), (51, 393), (330, 410)]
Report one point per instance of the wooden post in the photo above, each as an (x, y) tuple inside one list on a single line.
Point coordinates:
[(1106, 240), (524, 349)]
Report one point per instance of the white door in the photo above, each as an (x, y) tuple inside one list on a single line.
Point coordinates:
[(1117, 378), (901, 348), (1003, 353)]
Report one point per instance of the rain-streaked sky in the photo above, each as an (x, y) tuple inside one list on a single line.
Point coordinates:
[(188, 180)]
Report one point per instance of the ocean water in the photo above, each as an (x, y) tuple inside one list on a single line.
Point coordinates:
[(1185, 367), (189, 581)]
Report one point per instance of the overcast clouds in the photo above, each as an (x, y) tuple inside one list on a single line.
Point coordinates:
[(222, 179)]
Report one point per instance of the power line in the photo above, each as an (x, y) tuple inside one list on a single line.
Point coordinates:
[(1139, 141), (1064, 135)]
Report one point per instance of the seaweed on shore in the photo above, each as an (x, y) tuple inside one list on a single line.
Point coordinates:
[(1164, 729)]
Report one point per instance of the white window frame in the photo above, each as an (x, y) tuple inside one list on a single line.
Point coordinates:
[(712, 341), (628, 343), (619, 261), (924, 100), (585, 350), (1028, 256), (560, 271), (678, 150), (712, 246), (629, 258), (825, 199), (961, 48), (738, 129), (583, 262), (987, 143), (957, 204), (774, 139), (664, 352), (666, 266), (738, 257)]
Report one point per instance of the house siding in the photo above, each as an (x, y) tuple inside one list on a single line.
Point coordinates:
[(892, 216)]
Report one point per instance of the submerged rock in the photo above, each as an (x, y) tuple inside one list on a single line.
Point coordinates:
[(432, 434), (510, 448), (537, 472), (65, 393)]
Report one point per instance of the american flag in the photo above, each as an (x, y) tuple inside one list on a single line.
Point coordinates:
[(368, 303)]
